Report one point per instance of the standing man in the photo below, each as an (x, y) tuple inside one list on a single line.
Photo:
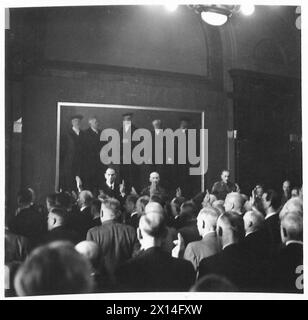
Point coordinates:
[(128, 171), (94, 167), (221, 188), (73, 148), (154, 188)]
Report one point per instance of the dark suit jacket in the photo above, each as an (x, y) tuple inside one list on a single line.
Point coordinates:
[(221, 189), (286, 270), (257, 244), (113, 193), (155, 270), (61, 234), (198, 250), (16, 247), (118, 242), (272, 225), (73, 153), (30, 224), (82, 221), (233, 264), (94, 168), (160, 191)]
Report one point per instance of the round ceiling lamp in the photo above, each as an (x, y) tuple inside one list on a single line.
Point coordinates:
[(247, 9), (213, 18)]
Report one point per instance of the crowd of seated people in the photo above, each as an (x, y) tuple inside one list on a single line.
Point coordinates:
[(220, 240)]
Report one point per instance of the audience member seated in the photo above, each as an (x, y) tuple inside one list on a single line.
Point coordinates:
[(58, 228), (234, 202), (288, 269), (91, 251), (208, 246), (213, 283), (28, 222), (56, 268), (171, 233), (154, 269), (16, 247), (232, 261), (271, 204), (83, 221), (286, 192), (131, 214), (95, 212), (118, 242), (188, 223), (221, 188)]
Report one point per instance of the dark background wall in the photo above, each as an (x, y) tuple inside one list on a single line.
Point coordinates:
[(135, 56)]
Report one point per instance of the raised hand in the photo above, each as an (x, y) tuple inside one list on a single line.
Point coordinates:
[(179, 248)]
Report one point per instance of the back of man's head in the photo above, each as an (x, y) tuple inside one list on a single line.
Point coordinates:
[(63, 200), (24, 197), (253, 221), (153, 225), (231, 222), (292, 227), (85, 197), (188, 210), (234, 201), (58, 216), (292, 205), (207, 218), (141, 203), (154, 207), (273, 197), (56, 268), (90, 250), (110, 209)]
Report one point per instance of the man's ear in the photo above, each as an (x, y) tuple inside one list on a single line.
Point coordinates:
[(220, 231), (284, 231), (250, 224), (139, 234), (203, 224)]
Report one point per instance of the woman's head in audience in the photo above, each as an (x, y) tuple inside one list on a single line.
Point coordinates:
[(56, 268)]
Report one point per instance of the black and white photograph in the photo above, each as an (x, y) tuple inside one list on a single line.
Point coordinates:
[(152, 149)]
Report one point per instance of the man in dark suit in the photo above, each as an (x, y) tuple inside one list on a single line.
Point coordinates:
[(271, 204), (288, 267), (154, 188), (117, 241), (232, 261), (94, 167), (154, 269), (110, 187), (188, 223), (221, 188), (58, 229), (73, 153), (208, 246)]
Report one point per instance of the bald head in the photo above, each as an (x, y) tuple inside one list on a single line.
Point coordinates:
[(154, 207), (291, 227), (253, 221), (292, 205), (88, 249), (154, 178), (234, 201)]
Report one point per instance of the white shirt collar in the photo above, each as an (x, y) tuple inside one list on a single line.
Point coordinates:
[(110, 185), (208, 233), (294, 241), (96, 131), (271, 214), (76, 131)]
